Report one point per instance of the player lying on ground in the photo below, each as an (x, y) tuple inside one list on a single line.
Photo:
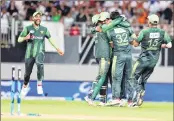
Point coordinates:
[(152, 40), (34, 35), (122, 61)]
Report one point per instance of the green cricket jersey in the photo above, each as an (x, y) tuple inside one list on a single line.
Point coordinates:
[(151, 40), (37, 43), (121, 38), (102, 48)]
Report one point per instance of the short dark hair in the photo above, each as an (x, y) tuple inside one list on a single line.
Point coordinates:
[(114, 14), (96, 24)]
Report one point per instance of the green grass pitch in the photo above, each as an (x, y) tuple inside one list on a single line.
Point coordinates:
[(52, 110)]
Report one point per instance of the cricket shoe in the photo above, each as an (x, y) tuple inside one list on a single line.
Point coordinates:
[(25, 90), (115, 102), (132, 105), (101, 104), (89, 101), (39, 89), (123, 103), (140, 97)]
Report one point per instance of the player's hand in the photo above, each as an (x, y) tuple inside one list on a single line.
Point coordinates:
[(163, 46), (98, 29), (108, 21), (27, 37), (61, 53)]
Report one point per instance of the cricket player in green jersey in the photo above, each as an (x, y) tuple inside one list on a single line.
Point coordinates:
[(117, 19), (152, 40), (122, 59), (102, 55), (35, 35)]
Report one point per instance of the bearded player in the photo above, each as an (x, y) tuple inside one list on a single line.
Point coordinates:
[(35, 35)]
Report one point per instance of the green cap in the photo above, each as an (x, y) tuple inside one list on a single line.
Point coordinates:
[(154, 19), (95, 18), (104, 16), (37, 12)]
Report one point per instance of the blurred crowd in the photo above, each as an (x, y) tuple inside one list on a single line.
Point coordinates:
[(70, 12)]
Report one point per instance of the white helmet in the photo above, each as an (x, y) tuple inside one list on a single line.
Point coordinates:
[(153, 19), (104, 16)]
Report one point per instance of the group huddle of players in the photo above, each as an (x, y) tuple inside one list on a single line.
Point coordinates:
[(114, 39)]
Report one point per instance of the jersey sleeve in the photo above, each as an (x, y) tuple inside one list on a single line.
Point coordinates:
[(113, 23), (132, 33), (109, 36), (167, 38), (24, 32), (92, 29), (125, 24), (47, 34), (140, 36)]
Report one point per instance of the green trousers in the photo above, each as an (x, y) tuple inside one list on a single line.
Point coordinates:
[(104, 88), (142, 70), (29, 63), (104, 64), (121, 71)]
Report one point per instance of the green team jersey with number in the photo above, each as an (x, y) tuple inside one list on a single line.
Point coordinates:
[(102, 48), (151, 40), (121, 38), (36, 44)]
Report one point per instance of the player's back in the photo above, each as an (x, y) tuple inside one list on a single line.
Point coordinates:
[(151, 42), (120, 37)]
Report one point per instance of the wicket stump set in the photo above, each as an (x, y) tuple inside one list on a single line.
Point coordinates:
[(13, 90)]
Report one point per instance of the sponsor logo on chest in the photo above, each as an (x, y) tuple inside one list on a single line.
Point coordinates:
[(33, 36), (36, 37), (41, 32)]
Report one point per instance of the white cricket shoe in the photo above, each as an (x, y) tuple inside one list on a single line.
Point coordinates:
[(123, 102), (132, 105), (25, 90), (115, 102), (39, 89), (101, 104), (89, 101)]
